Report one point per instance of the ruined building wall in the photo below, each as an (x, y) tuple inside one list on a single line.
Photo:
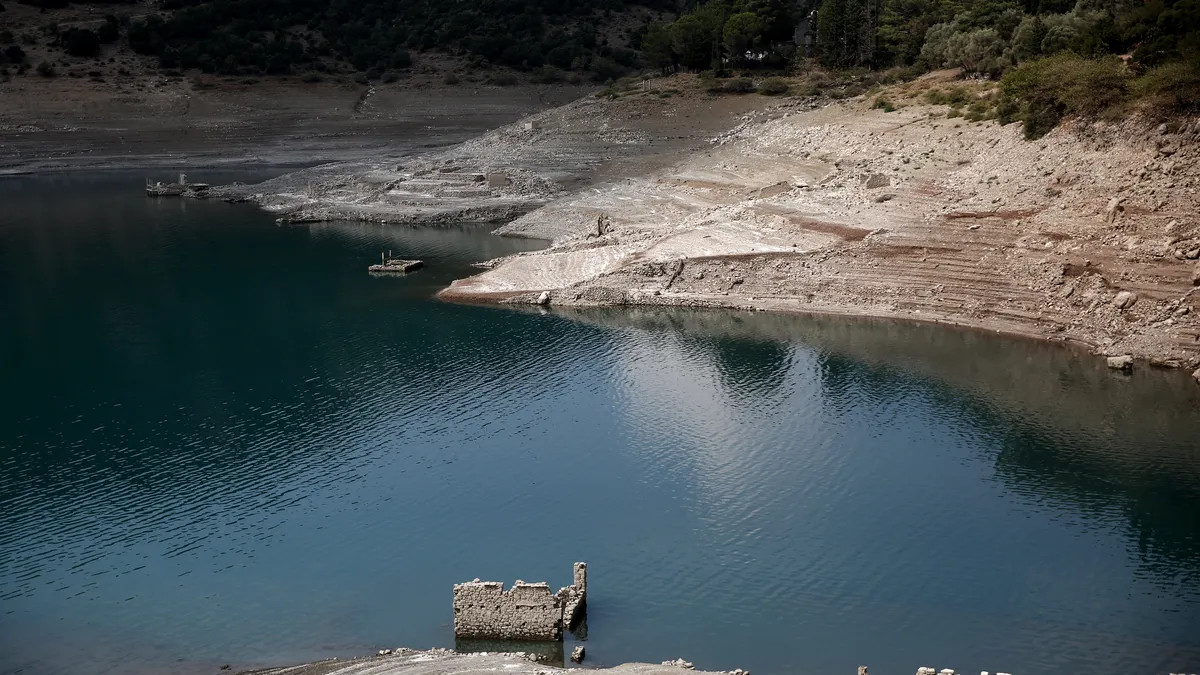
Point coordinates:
[(484, 610)]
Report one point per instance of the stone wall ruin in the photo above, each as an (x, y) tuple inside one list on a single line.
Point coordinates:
[(484, 610)]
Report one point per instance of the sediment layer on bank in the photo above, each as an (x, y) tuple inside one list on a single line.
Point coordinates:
[(1089, 235)]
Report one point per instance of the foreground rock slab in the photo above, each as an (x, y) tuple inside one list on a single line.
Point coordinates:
[(445, 662)]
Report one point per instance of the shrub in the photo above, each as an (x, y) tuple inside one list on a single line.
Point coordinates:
[(1051, 88), (81, 42), (14, 54), (46, 70), (548, 75), (740, 85), (773, 86), (1172, 86), (390, 76), (311, 78), (450, 79), (502, 79), (883, 104), (108, 32)]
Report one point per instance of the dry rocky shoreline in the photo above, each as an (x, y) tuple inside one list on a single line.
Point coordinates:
[(403, 661), (669, 196)]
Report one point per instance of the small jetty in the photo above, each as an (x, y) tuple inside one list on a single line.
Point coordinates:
[(392, 265), (179, 189)]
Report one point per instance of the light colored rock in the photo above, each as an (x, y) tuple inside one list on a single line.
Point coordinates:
[(862, 670), (877, 181), (1123, 362), (1125, 300), (1114, 209), (679, 663), (544, 298), (1196, 375), (577, 654)]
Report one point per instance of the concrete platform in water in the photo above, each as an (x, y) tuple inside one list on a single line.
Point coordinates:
[(160, 189), (397, 266)]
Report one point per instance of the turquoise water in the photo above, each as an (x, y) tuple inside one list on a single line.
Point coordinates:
[(223, 442)]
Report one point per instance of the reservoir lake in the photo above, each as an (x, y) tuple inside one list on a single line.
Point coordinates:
[(223, 442)]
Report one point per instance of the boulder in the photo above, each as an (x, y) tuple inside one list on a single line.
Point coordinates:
[(1113, 210), (878, 180), (577, 654), (1123, 362), (544, 298), (1125, 300), (1196, 375)]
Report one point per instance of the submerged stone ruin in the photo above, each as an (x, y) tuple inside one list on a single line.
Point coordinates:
[(483, 610)]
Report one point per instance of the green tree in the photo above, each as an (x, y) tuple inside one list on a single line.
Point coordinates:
[(841, 32), (1027, 40), (656, 47), (743, 32), (695, 37), (902, 28)]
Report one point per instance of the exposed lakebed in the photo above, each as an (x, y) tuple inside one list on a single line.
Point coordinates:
[(222, 441)]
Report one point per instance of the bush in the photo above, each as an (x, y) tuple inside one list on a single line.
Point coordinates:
[(311, 78), (451, 79), (740, 85), (548, 75), (46, 70), (773, 86), (502, 79), (81, 42), (390, 77), (1049, 89), (883, 104), (108, 32), (14, 54), (1171, 86)]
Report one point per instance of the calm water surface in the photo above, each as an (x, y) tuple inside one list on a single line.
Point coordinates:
[(222, 441)]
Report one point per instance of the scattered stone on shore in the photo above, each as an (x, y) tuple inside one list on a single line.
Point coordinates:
[(1196, 375), (1122, 362), (679, 663), (577, 654), (1125, 300), (544, 298)]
